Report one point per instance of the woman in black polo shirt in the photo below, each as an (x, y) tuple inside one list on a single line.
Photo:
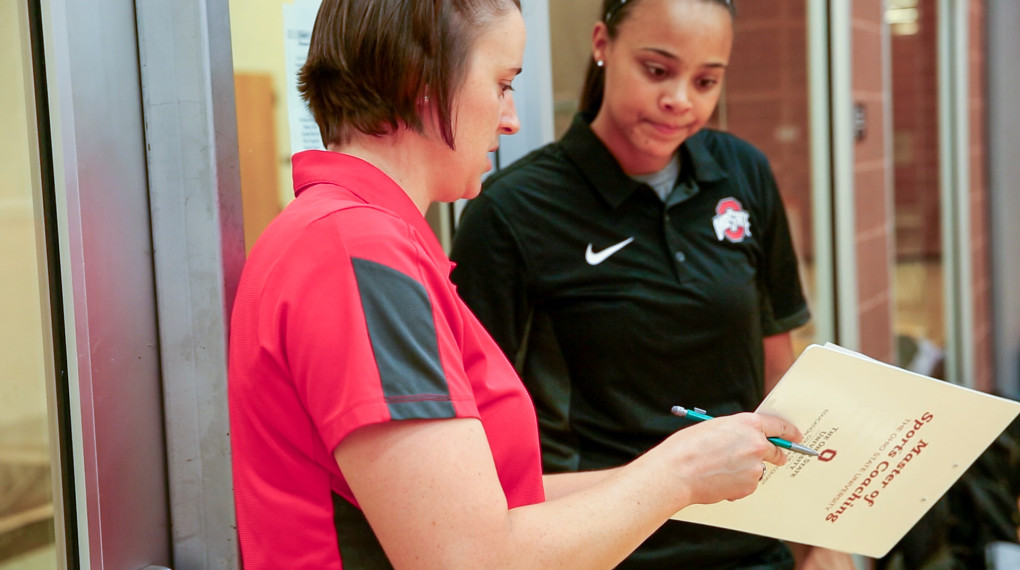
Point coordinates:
[(639, 262)]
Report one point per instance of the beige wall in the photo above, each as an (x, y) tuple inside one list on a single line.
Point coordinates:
[(571, 23), (22, 393), (256, 37)]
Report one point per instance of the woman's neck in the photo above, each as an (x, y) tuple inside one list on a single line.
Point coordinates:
[(399, 155)]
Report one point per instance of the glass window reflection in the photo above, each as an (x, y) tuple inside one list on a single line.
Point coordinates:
[(26, 504)]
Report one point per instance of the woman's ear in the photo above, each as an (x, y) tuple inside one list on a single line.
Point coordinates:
[(599, 41)]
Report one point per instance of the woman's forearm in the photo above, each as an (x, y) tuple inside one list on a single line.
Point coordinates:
[(560, 484), (431, 493)]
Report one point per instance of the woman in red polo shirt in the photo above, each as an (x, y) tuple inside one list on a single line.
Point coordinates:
[(374, 423)]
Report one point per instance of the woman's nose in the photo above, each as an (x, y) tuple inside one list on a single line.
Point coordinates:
[(508, 121), (676, 98)]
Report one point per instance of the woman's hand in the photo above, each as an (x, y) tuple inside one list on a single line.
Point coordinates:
[(722, 459), (815, 558)]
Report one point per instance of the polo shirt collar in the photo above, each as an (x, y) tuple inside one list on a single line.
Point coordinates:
[(603, 172), (362, 180), (703, 166)]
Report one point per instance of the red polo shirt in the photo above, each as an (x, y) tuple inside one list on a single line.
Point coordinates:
[(344, 317)]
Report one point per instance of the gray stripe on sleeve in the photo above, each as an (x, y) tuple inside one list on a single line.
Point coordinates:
[(403, 337)]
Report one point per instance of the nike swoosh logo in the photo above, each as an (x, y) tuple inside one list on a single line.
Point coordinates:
[(595, 258)]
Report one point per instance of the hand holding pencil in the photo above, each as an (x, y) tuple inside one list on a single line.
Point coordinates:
[(699, 415)]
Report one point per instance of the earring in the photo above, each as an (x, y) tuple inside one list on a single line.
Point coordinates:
[(599, 63), (426, 98)]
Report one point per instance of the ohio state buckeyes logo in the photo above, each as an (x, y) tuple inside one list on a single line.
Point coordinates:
[(731, 222)]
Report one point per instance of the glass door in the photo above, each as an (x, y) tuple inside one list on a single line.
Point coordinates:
[(27, 470), (919, 277)]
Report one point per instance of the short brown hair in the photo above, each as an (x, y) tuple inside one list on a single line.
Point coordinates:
[(371, 63)]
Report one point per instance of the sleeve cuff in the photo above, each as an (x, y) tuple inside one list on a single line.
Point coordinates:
[(787, 323)]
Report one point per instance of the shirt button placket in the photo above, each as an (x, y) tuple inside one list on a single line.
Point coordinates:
[(674, 243)]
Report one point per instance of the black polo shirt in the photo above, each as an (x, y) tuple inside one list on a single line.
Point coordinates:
[(614, 305)]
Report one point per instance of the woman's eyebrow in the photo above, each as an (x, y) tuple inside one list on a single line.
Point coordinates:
[(670, 55)]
